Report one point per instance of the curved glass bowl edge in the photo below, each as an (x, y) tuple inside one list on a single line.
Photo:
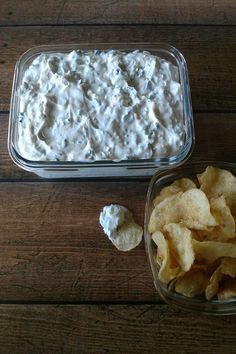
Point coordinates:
[(161, 178)]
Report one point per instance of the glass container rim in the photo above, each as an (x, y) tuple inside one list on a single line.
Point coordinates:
[(180, 157), (214, 307)]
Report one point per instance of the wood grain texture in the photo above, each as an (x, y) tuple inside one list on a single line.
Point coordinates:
[(129, 329), (209, 51), (51, 245), (52, 248), (215, 140), (26, 12)]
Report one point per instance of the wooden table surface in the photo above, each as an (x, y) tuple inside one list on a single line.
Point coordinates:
[(63, 287)]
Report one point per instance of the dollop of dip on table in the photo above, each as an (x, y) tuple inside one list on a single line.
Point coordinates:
[(100, 105), (118, 224)]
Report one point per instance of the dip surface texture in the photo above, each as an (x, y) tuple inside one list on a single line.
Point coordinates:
[(100, 105), (118, 224)]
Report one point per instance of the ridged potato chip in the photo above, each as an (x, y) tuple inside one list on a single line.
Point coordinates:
[(180, 242), (192, 283), (168, 268), (177, 186)]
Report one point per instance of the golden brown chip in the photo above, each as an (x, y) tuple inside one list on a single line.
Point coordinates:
[(162, 251), (228, 289), (192, 283), (195, 234), (191, 207), (216, 182), (226, 267), (164, 213), (198, 235), (177, 186), (180, 241), (184, 183), (213, 286), (200, 265), (226, 228), (211, 268), (194, 210), (168, 270), (233, 241), (210, 251), (165, 193)]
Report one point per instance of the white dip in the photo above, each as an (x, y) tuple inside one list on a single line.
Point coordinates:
[(111, 217), (100, 105), (118, 224)]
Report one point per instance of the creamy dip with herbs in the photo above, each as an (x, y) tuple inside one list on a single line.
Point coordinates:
[(100, 105), (118, 224)]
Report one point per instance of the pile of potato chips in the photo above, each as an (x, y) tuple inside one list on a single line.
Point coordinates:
[(193, 226)]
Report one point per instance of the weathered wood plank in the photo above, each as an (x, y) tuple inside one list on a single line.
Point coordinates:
[(210, 53), (53, 248), (119, 11), (215, 140), (130, 329), (51, 244)]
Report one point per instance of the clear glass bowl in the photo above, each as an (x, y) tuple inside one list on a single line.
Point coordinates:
[(161, 179), (126, 168)]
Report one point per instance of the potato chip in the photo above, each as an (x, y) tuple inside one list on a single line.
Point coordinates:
[(233, 241), (180, 241), (216, 182), (213, 286), (166, 192), (191, 207), (192, 283), (194, 210), (211, 268), (118, 224), (198, 235), (184, 184), (127, 237), (226, 228), (162, 245), (177, 186), (165, 212), (195, 235), (168, 269), (227, 267), (228, 289), (210, 251), (200, 265)]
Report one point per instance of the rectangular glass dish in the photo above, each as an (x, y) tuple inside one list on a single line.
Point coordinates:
[(162, 179), (106, 168)]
